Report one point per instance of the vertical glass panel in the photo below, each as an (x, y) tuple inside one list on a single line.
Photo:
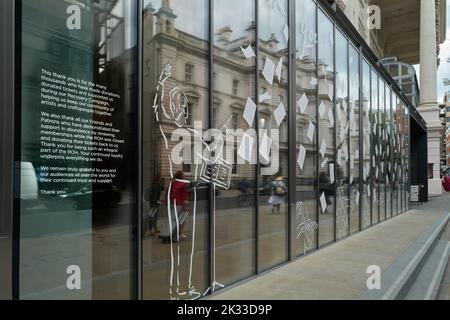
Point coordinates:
[(273, 181), (395, 101), (354, 161), (175, 118), (398, 163), (306, 125), (342, 134), (403, 146), (235, 207), (326, 127), (366, 145), (388, 149), (374, 149), (380, 150), (394, 145), (78, 142), (407, 159)]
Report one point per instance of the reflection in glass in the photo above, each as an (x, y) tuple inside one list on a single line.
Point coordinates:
[(374, 148), (273, 191), (306, 126), (394, 147), (342, 138), (77, 144), (407, 158), (366, 144), (381, 149), (235, 208), (387, 161), (176, 202), (354, 118), (326, 126)]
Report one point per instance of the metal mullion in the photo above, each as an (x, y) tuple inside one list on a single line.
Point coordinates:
[(211, 234), (292, 132), (349, 203), (390, 152), (317, 132), (371, 144), (17, 113), (139, 240), (377, 165), (385, 153), (361, 141), (257, 117), (409, 160), (335, 131)]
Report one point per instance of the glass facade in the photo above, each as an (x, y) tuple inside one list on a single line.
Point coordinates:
[(77, 193), (212, 148)]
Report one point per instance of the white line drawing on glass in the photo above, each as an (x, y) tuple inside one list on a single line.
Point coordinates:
[(177, 113), (306, 227), (341, 213), (217, 172)]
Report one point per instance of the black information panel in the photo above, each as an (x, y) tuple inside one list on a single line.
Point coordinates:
[(78, 147)]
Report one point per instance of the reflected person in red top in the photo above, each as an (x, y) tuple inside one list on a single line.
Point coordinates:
[(446, 182)]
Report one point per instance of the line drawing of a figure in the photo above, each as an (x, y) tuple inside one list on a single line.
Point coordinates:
[(211, 168), (342, 213), (306, 227), (216, 171), (176, 112)]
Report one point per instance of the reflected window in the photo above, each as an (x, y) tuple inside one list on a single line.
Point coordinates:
[(235, 87), (189, 72)]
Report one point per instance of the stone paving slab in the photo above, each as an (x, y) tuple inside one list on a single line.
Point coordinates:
[(339, 271)]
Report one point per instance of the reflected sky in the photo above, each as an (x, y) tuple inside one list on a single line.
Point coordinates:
[(225, 14), (274, 19), (187, 13)]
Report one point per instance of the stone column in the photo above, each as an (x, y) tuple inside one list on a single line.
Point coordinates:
[(429, 107)]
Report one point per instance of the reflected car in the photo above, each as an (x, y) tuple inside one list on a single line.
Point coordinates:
[(85, 198), (29, 188)]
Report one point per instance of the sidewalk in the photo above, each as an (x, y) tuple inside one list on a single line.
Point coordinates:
[(339, 271)]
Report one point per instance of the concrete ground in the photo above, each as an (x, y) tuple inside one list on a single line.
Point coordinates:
[(339, 271), (444, 293)]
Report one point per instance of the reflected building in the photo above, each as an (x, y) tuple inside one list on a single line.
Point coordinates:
[(274, 136)]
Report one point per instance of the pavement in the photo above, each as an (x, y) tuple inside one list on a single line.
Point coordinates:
[(444, 293), (339, 272)]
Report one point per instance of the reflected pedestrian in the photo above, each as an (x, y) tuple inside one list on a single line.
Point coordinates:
[(278, 194), (153, 196)]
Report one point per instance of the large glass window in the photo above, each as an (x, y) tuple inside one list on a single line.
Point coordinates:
[(388, 149), (398, 164), (306, 126), (77, 156), (366, 144), (374, 153), (394, 147), (342, 137), (326, 127), (380, 150), (175, 115), (404, 157), (354, 161), (234, 210), (273, 104), (407, 159)]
